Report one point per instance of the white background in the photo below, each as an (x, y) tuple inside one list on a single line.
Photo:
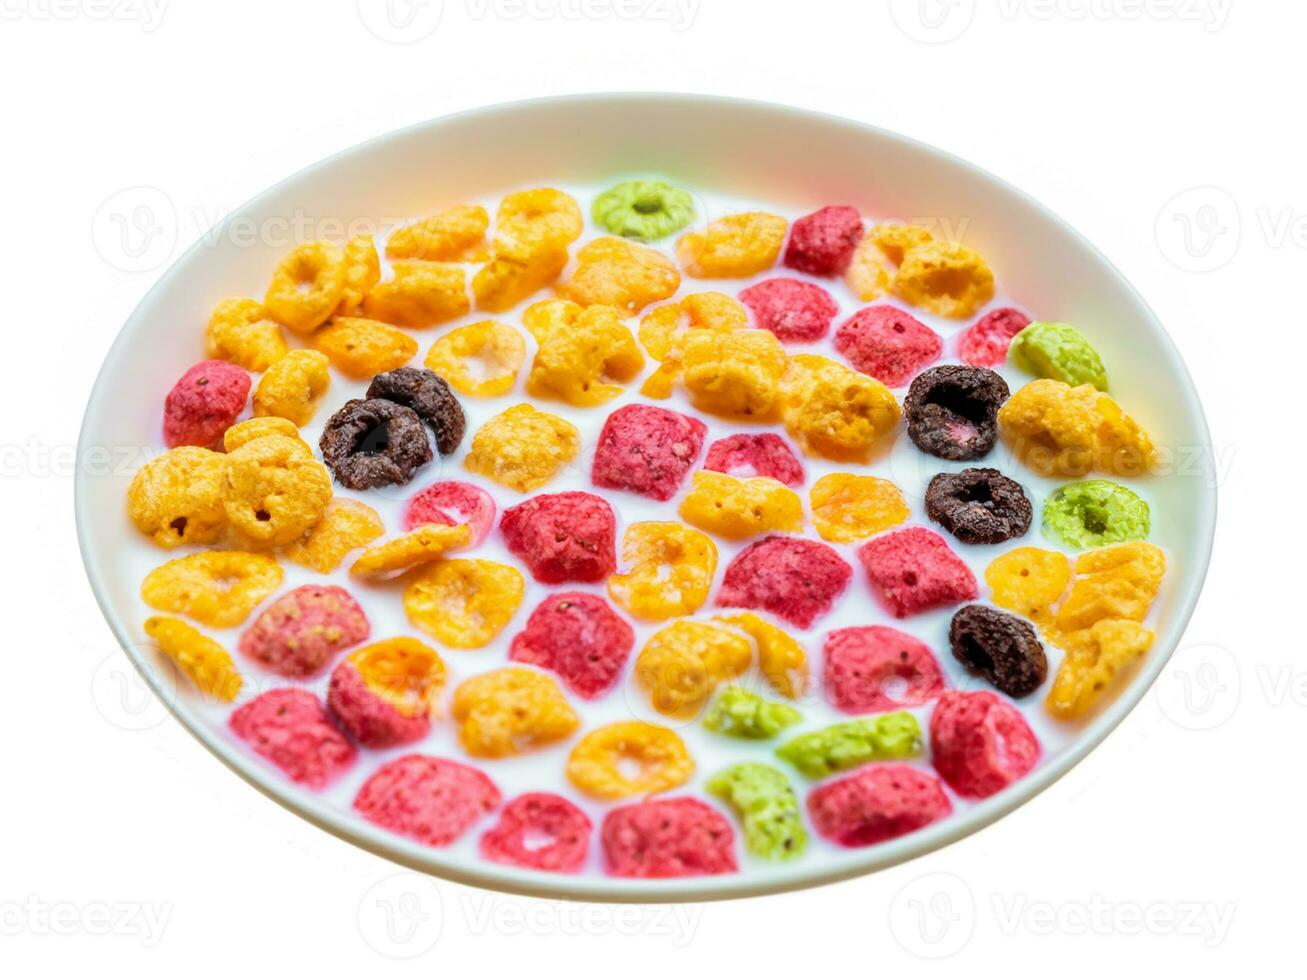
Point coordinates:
[(1176, 846)]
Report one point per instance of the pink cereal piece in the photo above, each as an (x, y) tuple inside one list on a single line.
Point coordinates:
[(204, 403), (877, 803), (877, 668), (755, 454), (452, 502), (914, 570), (646, 450), (887, 343), (667, 838), (793, 578), (541, 831), (303, 630), (822, 243), (563, 537), (374, 721), (980, 743), (291, 729), (578, 637), (985, 342), (792, 309), (432, 801)]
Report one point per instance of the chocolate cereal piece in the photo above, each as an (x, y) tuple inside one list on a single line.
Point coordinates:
[(952, 411), (374, 443), (1000, 648), (979, 506), (427, 394)]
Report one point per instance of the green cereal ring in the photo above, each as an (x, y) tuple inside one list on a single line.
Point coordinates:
[(743, 714), (1092, 513), (766, 806), (644, 209), (1058, 351), (851, 743)]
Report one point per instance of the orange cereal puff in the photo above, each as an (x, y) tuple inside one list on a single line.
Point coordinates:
[(293, 387), (833, 411), (601, 763), (176, 498), (585, 355), (384, 693), (662, 327), (672, 568), (362, 272), (216, 588), (1030, 582), (464, 602), (523, 448), (201, 658), (240, 331), (1095, 662), (275, 491), (360, 348), (510, 711), (505, 281), (530, 221), (421, 546), (944, 278), (681, 665), (1058, 430), (346, 525), (624, 275), (307, 286), (848, 508), (737, 508), (733, 247), (457, 234), (255, 428), (735, 375), (419, 294)]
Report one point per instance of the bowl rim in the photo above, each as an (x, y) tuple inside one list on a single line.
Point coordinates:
[(531, 883)]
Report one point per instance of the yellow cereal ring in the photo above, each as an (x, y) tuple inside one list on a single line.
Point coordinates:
[(360, 348), (216, 588), (293, 386), (732, 247), (496, 349), (463, 602), (307, 286), (532, 221), (895, 240), (945, 278), (240, 331), (781, 659), (681, 665), (457, 234), (621, 274), (523, 448), (275, 491), (201, 658), (419, 547), (362, 272), (662, 327), (596, 765), (176, 498), (848, 508), (346, 524), (672, 568), (736, 507), (419, 294), (510, 711), (1030, 582), (833, 411)]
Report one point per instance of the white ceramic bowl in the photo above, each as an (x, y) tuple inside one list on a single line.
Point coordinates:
[(770, 153)]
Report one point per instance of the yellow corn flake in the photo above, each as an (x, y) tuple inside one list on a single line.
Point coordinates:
[(464, 602), (1117, 582), (201, 658), (404, 672), (1123, 447), (457, 234), (307, 287), (732, 247), (781, 658), (1095, 661), (360, 348), (531, 222), (217, 588), (945, 278), (870, 273), (419, 547), (734, 375), (621, 274), (663, 326), (833, 411), (362, 272), (293, 387), (510, 711), (848, 508), (585, 362), (1030, 582), (1058, 430), (736, 507), (629, 758), (419, 294), (346, 524), (176, 498), (240, 331), (255, 428), (672, 568), (683, 663), (275, 490), (523, 448), (505, 281), (480, 360)]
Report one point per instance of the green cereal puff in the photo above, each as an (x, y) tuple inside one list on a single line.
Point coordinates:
[(1058, 351), (851, 743), (767, 808), (743, 714), (644, 209), (1093, 513)]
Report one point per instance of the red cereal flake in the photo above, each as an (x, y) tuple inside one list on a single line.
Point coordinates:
[(579, 637), (299, 633), (792, 309), (669, 838), (755, 454), (888, 344), (980, 743), (914, 570), (204, 403), (433, 801), (793, 578), (563, 537), (290, 728), (452, 502), (985, 342), (647, 450), (541, 831), (877, 803), (822, 243), (877, 668)]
